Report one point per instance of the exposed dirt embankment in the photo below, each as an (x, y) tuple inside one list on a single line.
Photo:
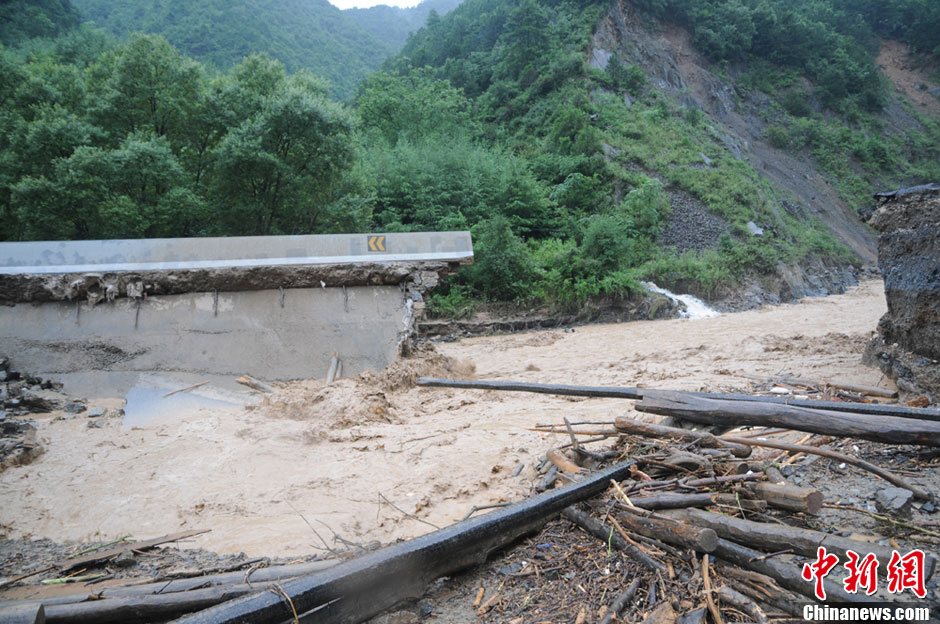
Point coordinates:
[(740, 117), (908, 344)]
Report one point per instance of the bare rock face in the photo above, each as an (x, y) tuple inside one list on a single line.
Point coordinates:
[(908, 343)]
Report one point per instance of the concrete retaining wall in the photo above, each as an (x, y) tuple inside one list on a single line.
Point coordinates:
[(158, 306)]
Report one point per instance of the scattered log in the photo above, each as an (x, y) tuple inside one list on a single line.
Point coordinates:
[(621, 602), (869, 390), (887, 475), (563, 463), (788, 497), (254, 384), (696, 499), (260, 575), (635, 427), (787, 576), (357, 589), (742, 603), (103, 555), (737, 413), (151, 608), (610, 392), (23, 614), (706, 482), (606, 534), (670, 531), (899, 411), (774, 537), (548, 481)]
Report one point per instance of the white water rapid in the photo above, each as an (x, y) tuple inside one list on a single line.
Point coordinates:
[(695, 308)]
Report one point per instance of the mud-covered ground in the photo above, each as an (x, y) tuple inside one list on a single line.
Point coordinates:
[(373, 459)]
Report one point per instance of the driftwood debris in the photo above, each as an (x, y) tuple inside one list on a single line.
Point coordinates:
[(615, 392), (259, 577), (887, 475), (103, 555), (869, 390), (23, 614), (697, 499), (254, 384), (606, 534), (562, 462), (360, 588), (789, 497), (635, 427), (669, 531), (776, 537), (708, 411)]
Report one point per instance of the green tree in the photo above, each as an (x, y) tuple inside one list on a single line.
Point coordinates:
[(145, 85), (413, 106), (280, 170)]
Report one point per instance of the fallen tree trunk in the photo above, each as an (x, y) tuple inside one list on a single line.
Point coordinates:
[(261, 575), (22, 614), (789, 497), (635, 427), (737, 413), (149, 608), (696, 499), (787, 576), (670, 531), (614, 392), (777, 537), (360, 588)]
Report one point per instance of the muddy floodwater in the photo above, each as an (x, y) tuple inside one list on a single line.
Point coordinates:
[(375, 458)]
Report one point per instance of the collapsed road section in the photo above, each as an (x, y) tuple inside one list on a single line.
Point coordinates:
[(275, 307)]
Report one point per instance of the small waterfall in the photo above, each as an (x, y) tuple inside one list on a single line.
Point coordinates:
[(695, 308)]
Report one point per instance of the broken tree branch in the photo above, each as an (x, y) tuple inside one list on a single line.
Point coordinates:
[(635, 427), (887, 475)]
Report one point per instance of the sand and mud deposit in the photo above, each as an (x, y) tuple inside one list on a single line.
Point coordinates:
[(376, 458)]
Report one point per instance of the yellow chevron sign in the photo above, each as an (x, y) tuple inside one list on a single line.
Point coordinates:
[(376, 243)]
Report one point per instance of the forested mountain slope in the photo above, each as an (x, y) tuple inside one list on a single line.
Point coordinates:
[(393, 24), (302, 34), (23, 19), (694, 143), (714, 146)]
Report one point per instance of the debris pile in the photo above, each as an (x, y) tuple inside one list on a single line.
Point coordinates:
[(21, 395), (907, 346)]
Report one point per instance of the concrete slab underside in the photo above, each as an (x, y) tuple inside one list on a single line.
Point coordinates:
[(229, 333)]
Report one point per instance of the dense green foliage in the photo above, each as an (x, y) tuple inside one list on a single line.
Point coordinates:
[(138, 142), (489, 120), (392, 25), (25, 19), (302, 34)]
